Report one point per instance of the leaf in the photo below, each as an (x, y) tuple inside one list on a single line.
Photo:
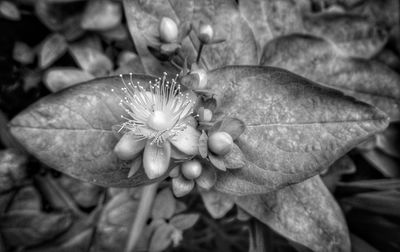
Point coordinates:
[(27, 198), (161, 238), (270, 19), (9, 11), (12, 169), (239, 46), (164, 205), (184, 221), (53, 48), (319, 61), (235, 158), (115, 222), (217, 162), (59, 78), (27, 228), (90, 59), (353, 35), (71, 131), (203, 144), (359, 245), (368, 185), (85, 194), (216, 203), (22, 53), (389, 141), (101, 15), (386, 165), (294, 127), (381, 202), (342, 166), (305, 213)]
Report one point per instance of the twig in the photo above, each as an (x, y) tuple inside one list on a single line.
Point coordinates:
[(146, 200)]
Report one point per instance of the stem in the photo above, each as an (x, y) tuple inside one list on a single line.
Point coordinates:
[(146, 201), (199, 53)]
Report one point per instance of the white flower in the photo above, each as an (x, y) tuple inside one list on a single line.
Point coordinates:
[(157, 116)]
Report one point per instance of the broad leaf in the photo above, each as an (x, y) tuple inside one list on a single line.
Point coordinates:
[(294, 128), (239, 46), (273, 18), (305, 212), (29, 227), (353, 35), (319, 61), (71, 131)]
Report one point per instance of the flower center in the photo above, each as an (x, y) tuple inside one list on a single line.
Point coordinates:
[(159, 120)]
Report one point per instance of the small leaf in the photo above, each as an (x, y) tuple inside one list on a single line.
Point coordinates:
[(203, 144), (27, 198), (85, 194), (341, 167), (208, 177), (22, 53), (115, 222), (101, 15), (90, 59), (389, 141), (235, 158), (216, 203), (184, 221), (217, 161), (9, 11), (12, 169), (52, 49), (59, 78), (164, 205), (381, 202), (161, 238), (28, 228), (305, 213), (233, 127), (385, 164)]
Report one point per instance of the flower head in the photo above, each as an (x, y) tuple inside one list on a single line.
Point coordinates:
[(158, 115)]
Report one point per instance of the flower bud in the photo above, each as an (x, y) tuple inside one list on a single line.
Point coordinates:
[(206, 33), (191, 169), (168, 30), (201, 74), (205, 115), (220, 143)]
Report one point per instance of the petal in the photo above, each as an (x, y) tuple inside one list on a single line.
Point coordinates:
[(187, 141), (178, 155), (135, 166), (156, 159), (128, 147)]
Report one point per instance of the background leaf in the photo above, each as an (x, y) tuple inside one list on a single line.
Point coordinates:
[(305, 212), (294, 127), (318, 60)]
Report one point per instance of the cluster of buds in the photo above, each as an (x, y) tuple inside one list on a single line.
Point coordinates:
[(166, 126)]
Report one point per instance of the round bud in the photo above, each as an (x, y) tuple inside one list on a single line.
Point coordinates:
[(191, 169), (220, 143), (205, 115), (206, 33), (201, 74), (168, 30)]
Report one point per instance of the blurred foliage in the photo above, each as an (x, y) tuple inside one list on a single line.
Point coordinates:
[(49, 45)]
